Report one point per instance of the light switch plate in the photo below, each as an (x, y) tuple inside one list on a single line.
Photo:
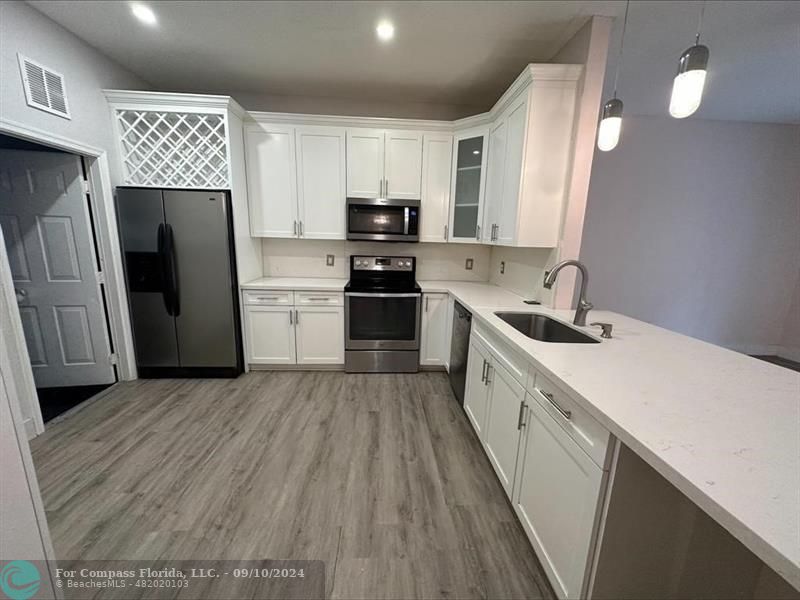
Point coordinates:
[(468, 265), (329, 260)]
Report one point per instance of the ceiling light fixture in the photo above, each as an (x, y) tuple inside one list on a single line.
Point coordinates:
[(687, 89), (143, 13), (611, 121), (385, 31)]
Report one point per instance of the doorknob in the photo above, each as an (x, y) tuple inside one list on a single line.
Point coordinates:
[(21, 295)]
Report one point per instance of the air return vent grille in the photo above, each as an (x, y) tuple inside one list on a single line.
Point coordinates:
[(173, 149), (44, 88)]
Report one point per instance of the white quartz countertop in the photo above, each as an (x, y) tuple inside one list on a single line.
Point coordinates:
[(321, 284), (722, 427)]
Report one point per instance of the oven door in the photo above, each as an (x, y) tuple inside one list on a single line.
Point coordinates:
[(382, 219), (381, 321)]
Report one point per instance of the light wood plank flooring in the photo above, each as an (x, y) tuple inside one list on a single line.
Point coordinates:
[(379, 476)]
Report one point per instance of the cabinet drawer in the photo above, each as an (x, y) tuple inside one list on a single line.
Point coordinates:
[(511, 360), (580, 425), (319, 298), (268, 297)]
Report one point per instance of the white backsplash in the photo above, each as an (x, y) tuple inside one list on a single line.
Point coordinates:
[(306, 258), (524, 270)]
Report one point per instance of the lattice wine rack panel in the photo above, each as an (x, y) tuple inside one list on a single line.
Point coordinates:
[(171, 149)]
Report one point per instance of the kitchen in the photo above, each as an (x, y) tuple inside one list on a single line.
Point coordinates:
[(329, 312)]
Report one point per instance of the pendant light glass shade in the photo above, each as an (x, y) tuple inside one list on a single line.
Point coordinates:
[(610, 125), (687, 89)]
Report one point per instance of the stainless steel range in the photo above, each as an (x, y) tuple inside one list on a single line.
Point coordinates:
[(382, 315)]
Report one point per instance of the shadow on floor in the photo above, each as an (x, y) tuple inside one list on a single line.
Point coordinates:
[(58, 400)]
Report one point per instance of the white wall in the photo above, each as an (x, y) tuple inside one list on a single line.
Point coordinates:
[(86, 72), (306, 258), (523, 271), (694, 225)]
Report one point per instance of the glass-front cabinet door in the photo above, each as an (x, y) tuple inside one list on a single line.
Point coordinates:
[(469, 168)]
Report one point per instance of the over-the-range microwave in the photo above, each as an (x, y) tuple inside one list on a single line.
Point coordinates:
[(383, 219)]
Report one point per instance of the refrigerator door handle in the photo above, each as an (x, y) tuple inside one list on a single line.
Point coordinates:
[(166, 289), (172, 270)]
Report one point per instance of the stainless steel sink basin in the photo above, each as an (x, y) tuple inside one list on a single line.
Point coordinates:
[(545, 329)]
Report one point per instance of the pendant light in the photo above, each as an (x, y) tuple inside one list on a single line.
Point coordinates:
[(687, 89), (611, 121)]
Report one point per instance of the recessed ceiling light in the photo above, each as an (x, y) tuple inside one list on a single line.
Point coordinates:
[(143, 13), (385, 31)]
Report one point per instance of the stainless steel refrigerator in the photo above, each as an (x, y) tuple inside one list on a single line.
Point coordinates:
[(182, 289)]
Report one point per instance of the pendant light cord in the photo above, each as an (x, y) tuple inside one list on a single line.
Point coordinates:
[(700, 22), (621, 46)]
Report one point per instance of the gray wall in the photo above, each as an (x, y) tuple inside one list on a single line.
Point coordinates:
[(86, 72), (694, 225)]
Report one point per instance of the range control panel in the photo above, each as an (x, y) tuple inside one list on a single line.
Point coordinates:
[(382, 263)]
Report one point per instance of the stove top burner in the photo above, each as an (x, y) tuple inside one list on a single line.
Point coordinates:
[(383, 274)]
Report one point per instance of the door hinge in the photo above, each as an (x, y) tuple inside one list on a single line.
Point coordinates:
[(100, 277), (85, 184), (112, 358)]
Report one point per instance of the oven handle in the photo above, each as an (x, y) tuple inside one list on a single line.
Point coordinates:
[(368, 295)]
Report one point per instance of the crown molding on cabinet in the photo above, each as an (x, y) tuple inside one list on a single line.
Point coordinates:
[(170, 101)]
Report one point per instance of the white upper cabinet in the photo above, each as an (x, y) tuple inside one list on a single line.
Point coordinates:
[(467, 186), (365, 149), (437, 154), (321, 193), (506, 229), (495, 171), (271, 180), (403, 170), (384, 164)]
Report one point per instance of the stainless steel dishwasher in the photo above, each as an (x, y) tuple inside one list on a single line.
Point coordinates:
[(459, 350)]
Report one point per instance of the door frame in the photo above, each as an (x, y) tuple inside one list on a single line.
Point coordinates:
[(108, 248)]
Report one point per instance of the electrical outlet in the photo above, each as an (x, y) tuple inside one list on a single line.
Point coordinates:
[(329, 259), (502, 267), (468, 265)]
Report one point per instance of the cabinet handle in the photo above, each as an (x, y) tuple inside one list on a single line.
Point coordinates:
[(567, 414), (387, 187), (478, 233), (295, 229), (290, 317), (318, 298), (445, 232), (488, 370), (301, 229), (297, 317), (266, 297), (427, 298), (483, 371), (521, 419)]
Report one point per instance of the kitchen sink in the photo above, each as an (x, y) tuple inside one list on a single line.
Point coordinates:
[(544, 329)]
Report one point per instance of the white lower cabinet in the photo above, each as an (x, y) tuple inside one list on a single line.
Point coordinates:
[(309, 331), (476, 392), (270, 335), (502, 432), (319, 334), (434, 348), (557, 497)]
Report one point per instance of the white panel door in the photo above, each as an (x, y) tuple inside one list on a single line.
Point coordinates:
[(476, 392), (270, 335), (434, 347), (437, 157), (321, 185), (320, 335), (502, 433), (45, 219), (365, 163), (556, 499), (516, 125), (403, 171), (271, 180), (495, 171)]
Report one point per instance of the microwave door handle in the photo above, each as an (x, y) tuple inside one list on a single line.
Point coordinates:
[(405, 220)]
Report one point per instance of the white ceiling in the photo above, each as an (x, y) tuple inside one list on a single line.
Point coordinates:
[(444, 53)]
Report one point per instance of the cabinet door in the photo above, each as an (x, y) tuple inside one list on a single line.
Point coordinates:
[(506, 398), (364, 163), (557, 498), (271, 180), (467, 186), (270, 335), (434, 346), (437, 154), (403, 170), (320, 335), (476, 392), (321, 190), (516, 126), (495, 170)]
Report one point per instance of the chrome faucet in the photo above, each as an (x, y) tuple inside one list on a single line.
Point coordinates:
[(584, 306)]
